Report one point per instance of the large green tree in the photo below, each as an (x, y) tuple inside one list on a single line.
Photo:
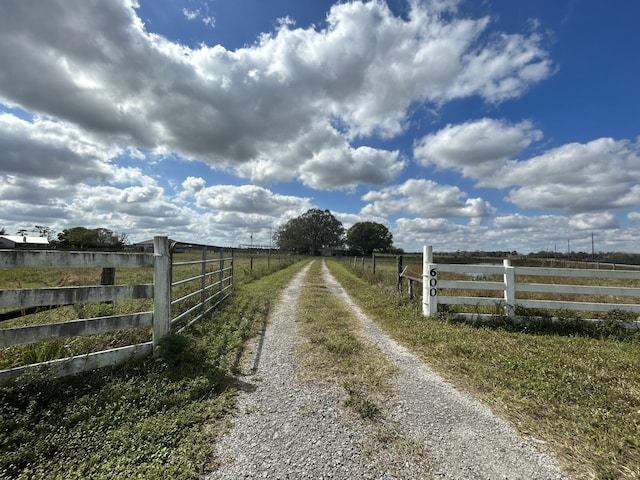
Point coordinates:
[(81, 237), (369, 237), (310, 232)]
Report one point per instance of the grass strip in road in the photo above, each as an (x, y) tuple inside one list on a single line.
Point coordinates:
[(157, 418), (335, 351), (580, 395)]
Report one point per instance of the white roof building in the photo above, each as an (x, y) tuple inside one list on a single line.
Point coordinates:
[(13, 241)]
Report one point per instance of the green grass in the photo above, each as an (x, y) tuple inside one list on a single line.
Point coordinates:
[(157, 418), (578, 393), (246, 268), (336, 352)]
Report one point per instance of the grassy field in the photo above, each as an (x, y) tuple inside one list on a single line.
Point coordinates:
[(246, 267), (386, 278), (157, 418), (575, 390)]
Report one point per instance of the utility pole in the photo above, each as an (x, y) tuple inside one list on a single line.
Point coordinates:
[(593, 249)]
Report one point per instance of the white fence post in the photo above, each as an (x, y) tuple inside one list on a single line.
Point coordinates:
[(509, 288), (429, 283), (161, 290)]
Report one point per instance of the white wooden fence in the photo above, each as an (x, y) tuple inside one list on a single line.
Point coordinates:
[(207, 296), (432, 287)]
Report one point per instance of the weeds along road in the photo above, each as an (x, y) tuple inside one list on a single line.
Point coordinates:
[(328, 395)]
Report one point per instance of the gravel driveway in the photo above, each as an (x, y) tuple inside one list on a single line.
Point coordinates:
[(290, 430)]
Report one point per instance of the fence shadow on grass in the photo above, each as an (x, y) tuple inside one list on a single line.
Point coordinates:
[(611, 326)]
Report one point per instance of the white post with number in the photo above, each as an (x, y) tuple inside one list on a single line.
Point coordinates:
[(429, 283)]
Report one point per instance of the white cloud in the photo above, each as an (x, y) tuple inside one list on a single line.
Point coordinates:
[(241, 108), (193, 185), (514, 232), (47, 149), (594, 221), (249, 199), (425, 198), (412, 234), (475, 148), (191, 14), (576, 178), (634, 216), (202, 14)]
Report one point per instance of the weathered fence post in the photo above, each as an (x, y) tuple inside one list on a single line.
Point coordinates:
[(108, 277), (429, 283), (399, 273), (161, 290), (509, 288), (373, 263)]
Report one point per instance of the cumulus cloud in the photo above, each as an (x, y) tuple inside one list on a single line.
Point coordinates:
[(249, 199), (47, 149), (577, 178), (426, 198), (594, 221), (366, 67), (477, 149), (634, 216)]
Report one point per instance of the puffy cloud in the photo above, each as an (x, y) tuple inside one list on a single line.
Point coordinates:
[(47, 149), (477, 148), (242, 108), (363, 165), (249, 199), (576, 178), (514, 232), (634, 216), (594, 221), (193, 185), (426, 198)]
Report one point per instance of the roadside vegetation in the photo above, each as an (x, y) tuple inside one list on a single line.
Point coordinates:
[(156, 418), (336, 352), (575, 392)]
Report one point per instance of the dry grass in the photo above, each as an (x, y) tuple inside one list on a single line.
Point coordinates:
[(335, 351), (578, 391), (246, 268)]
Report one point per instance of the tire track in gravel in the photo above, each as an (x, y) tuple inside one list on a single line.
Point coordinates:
[(465, 439), (290, 430)]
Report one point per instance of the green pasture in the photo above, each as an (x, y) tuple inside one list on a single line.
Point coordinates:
[(572, 390)]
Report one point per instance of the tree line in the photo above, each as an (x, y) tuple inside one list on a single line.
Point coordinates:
[(78, 237), (318, 230)]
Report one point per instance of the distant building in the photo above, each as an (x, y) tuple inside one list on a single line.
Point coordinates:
[(22, 241)]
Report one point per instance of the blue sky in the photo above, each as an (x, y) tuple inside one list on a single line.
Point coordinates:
[(493, 125)]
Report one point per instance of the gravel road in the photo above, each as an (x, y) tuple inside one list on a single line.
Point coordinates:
[(285, 429)]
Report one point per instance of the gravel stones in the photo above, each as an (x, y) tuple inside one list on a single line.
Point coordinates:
[(290, 430)]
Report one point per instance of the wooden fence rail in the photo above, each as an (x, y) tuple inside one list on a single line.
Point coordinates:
[(207, 294), (506, 279)]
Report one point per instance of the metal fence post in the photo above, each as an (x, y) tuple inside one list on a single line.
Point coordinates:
[(221, 269), (509, 288), (161, 290), (203, 281)]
